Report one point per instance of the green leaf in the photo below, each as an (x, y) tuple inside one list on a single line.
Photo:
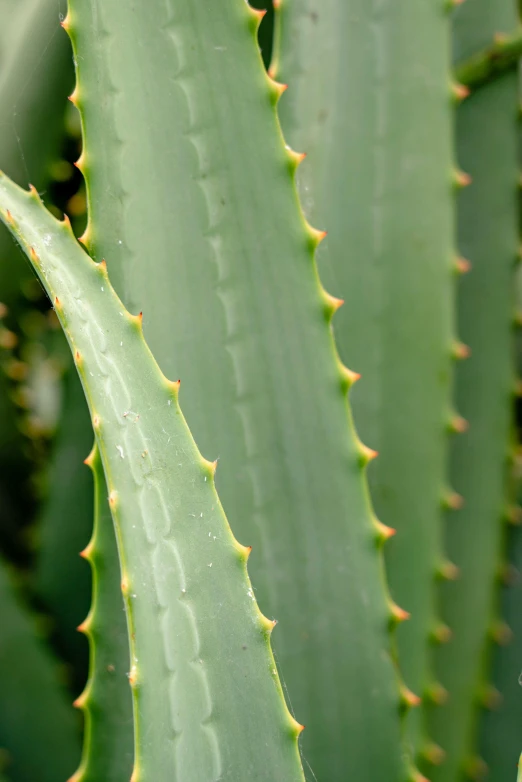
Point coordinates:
[(206, 694), (106, 701), (192, 202), (487, 148), (369, 103), (38, 729)]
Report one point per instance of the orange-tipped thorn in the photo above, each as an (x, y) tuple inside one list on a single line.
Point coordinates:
[(34, 192), (65, 23), (80, 701), (133, 676), (398, 614), (513, 515), (448, 571), (441, 633), (96, 421), (384, 532), (77, 356), (103, 265), (73, 97), (84, 626), (459, 92), (113, 499), (461, 179), (316, 236), (460, 351), (501, 633), (57, 303), (124, 585), (348, 377), (458, 424), (34, 257), (453, 501), (366, 455), (9, 217), (408, 698), (87, 551), (433, 754), (66, 221), (437, 694), (332, 304), (296, 726), (462, 265)]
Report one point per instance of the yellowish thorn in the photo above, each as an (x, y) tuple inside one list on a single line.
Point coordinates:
[(461, 179), (433, 754), (459, 92), (384, 532), (87, 552), (501, 633), (73, 97), (408, 698), (366, 454), (81, 700), (453, 501), (462, 265), (437, 694), (458, 424), (448, 571), (441, 633), (398, 614), (460, 351)]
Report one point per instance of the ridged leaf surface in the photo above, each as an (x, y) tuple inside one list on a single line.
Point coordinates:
[(207, 699), (369, 104), (487, 139), (192, 203)]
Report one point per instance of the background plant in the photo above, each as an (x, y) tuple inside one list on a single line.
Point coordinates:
[(193, 211)]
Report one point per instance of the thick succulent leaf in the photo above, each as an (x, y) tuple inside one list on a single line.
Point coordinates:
[(487, 146), (38, 729), (207, 699), (369, 104), (61, 579), (106, 701), (35, 74), (192, 202)]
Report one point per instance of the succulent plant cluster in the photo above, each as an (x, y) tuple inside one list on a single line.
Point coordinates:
[(235, 172)]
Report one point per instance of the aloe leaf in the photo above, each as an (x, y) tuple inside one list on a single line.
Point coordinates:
[(61, 580), (500, 728), (206, 694), (487, 146), (38, 729), (369, 104), (106, 701), (35, 77), (193, 204)]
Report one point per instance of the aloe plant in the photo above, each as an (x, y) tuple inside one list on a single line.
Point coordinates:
[(194, 216)]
